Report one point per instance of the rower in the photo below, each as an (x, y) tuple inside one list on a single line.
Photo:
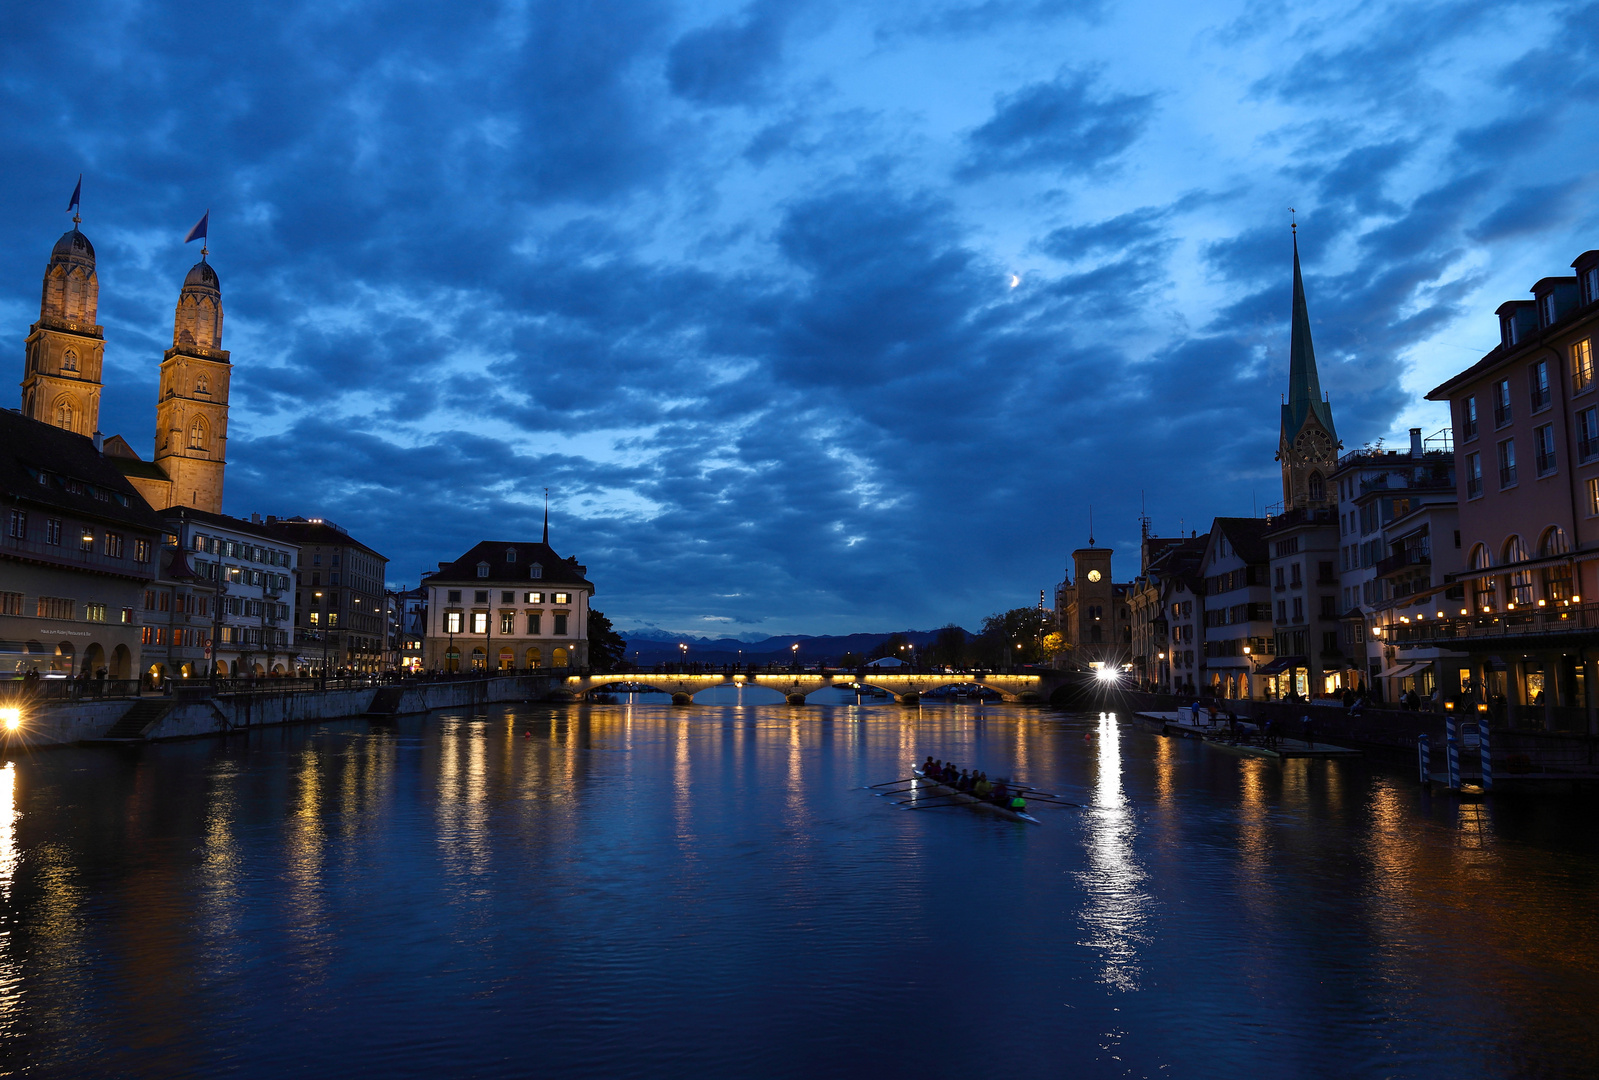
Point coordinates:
[(928, 766), (964, 783), (1018, 804), (982, 788), (1001, 792)]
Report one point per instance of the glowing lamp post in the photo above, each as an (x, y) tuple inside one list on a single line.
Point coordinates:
[(10, 719)]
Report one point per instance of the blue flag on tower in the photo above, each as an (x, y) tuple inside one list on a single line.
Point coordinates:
[(198, 232), (73, 205)]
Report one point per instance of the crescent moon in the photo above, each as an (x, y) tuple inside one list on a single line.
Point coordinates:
[(1015, 280)]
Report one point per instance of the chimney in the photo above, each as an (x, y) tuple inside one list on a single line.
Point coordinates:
[(99, 443), (255, 519), (1415, 442)]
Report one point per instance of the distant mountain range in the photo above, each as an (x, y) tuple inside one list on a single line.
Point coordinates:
[(651, 646)]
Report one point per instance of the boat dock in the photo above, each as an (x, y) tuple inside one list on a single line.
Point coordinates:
[(1247, 742)]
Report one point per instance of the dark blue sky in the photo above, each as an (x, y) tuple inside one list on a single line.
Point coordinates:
[(813, 316)]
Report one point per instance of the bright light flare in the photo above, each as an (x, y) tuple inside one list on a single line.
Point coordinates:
[(1107, 674), (11, 718)]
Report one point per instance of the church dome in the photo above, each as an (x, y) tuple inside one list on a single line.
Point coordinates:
[(73, 244), (202, 274)]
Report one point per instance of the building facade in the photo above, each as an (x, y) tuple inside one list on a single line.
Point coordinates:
[(1239, 638), (1093, 613), (65, 349), (79, 548), (507, 605), (340, 598), (1526, 442)]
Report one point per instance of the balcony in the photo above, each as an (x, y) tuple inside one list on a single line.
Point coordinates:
[(1578, 620), (1587, 448), (71, 554), (1394, 563)]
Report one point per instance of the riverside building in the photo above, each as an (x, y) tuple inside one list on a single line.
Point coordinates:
[(507, 605), (340, 601), (1526, 446), (1237, 607)]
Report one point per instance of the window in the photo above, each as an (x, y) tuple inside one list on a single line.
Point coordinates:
[(113, 545), (1520, 580), (197, 434), (141, 551), (507, 622), (52, 530), (1473, 476), (1329, 607), (1280, 585), (1318, 490), (1543, 439), (10, 603), (1293, 576), (452, 622), (534, 619), (1299, 609), (560, 624), (480, 596), (1502, 414), (64, 415), (534, 598), (1582, 365), (56, 607), (1593, 497), (510, 554), (18, 526), (1324, 572), (69, 362), (1507, 463), (94, 612), (563, 598), (480, 622), (454, 596), (482, 569), (1588, 434), (333, 578), (1538, 377), (316, 560), (1556, 576), (535, 571), (201, 386), (1282, 611), (507, 596)]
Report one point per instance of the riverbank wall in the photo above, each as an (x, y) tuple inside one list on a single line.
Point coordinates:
[(194, 713)]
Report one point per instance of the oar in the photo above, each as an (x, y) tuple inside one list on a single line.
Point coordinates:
[(891, 783)]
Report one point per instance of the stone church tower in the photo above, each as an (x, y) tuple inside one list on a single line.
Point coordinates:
[(65, 348), (191, 429), (1307, 445)]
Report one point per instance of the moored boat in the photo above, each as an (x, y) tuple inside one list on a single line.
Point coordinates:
[(962, 798)]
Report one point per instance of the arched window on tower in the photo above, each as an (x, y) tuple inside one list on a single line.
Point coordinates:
[(69, 362), (64, 414), (1317, 488), (197, 434), (201, 385)]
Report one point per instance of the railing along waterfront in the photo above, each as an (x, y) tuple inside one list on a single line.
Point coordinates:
[(1528, 622)]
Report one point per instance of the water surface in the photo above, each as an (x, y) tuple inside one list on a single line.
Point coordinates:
[(647, 891)]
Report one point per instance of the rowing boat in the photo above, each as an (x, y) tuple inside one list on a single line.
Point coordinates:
[(962, 798)]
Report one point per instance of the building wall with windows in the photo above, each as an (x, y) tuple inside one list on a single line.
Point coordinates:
[(1303, 546), (507, 605), (1526, 432), (340, 598), (1237, 607), (77, 549), (224, 595)]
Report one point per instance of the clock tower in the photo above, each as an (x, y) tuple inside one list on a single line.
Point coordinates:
[(1307, 446)]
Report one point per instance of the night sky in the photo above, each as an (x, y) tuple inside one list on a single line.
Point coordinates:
[(813, 317)]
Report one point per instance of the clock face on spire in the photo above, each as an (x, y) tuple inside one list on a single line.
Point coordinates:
[(1313, 446)]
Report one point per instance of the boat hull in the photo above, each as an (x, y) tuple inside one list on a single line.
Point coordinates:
[(961, 798)]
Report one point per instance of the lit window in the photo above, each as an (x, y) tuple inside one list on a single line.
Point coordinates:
[(534, 598), (507, 622), (480, 622), (562, 598), (1582, 365), (1593, 497), (452, 622)]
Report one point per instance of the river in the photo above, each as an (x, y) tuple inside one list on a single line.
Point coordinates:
[(642, 891)]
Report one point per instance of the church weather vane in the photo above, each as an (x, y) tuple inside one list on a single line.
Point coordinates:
[(199, 232), (72, 204)]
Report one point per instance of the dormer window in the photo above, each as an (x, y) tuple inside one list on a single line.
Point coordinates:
[(510, 554), (1546, 308), (535, 571), (482, 569)]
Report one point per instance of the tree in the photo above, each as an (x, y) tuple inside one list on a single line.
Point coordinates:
[(850, 661), (894, 646), (949, 647), (1027, 627), (607, 648)]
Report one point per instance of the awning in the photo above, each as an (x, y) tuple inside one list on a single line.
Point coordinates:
[(1405, 671), (1282, 664)]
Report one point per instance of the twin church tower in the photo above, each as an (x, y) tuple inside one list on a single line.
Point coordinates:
[(61, 381)]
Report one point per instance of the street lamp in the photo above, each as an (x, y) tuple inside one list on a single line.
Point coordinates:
[(794, 653)]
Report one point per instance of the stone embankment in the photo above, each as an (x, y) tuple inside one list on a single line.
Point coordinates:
[(193, 712)]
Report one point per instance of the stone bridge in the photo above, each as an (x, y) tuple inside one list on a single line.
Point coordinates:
[(1032, 687)]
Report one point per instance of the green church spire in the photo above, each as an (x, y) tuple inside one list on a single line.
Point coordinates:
[(1304, 388)]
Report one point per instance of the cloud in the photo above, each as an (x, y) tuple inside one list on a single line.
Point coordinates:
[(727, 63), (1062, 126)]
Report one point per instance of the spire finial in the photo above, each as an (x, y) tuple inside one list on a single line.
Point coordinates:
[(1293, 222), (72, 203), (546, 515), (1090, 524)]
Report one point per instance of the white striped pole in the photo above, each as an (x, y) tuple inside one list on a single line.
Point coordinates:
[(1424, 757), (1487, 756), (1453, 747)]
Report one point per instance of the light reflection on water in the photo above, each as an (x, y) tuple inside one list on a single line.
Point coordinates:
[(642, 890)]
